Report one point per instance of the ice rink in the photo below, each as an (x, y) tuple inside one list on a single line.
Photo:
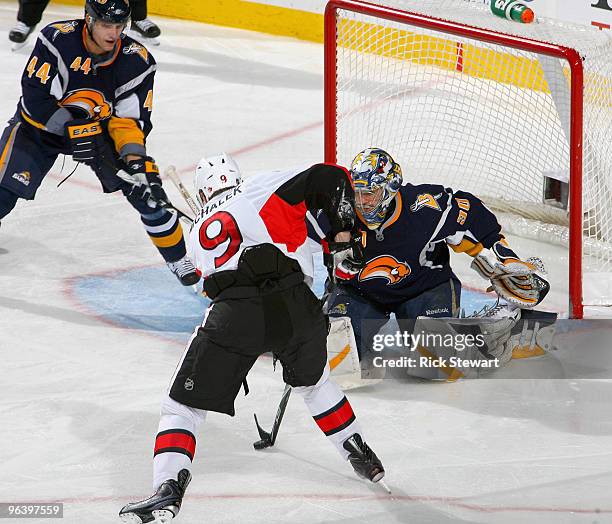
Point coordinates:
[(92, 325)]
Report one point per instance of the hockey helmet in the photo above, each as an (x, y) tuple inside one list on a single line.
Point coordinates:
[(377, 179), (109, 11), (214, 175)]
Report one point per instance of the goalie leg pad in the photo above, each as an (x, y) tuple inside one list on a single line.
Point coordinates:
[(366, 318), (342, 355), (536, 334), (445, 353)]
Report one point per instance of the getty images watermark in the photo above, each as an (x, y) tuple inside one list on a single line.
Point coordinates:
[(403, 349)]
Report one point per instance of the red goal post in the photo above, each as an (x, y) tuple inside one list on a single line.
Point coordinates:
[(571, 56)]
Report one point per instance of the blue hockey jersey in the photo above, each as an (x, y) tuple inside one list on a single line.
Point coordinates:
[(62, 81), (409, 253)]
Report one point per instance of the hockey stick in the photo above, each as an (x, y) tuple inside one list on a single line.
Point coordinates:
[(171, 173), (163, 203), (268, 439)]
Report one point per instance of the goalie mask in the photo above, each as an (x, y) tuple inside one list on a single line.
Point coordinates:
[(377, 179), (214, 175)]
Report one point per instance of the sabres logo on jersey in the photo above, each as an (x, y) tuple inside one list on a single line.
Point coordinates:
[(24, 177), (387, 267), (64, 28), (426, 200), (90, 101), (135, 48)]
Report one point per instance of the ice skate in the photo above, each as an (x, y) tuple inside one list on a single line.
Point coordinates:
[(19, 35), (364, 461), (162, 506), (146, 31), (185, 271)]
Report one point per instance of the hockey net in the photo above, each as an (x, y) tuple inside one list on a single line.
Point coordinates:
[(507, 111)]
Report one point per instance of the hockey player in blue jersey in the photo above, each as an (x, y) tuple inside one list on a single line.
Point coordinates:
[(405, 270), (87, 90)]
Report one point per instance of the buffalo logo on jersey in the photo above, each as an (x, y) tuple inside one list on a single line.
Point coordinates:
[(387, 267), (135, 48), (24, 177), (64, 28), (338, 309), (426, 200), (90, 102)]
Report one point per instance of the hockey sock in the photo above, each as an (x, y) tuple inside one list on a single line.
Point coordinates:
[(165, 231), (175, 442), (331, 411)]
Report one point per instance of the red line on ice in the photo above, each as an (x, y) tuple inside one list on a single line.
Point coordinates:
[(449, 501)]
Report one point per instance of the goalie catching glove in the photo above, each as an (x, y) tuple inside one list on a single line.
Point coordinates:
[(518, 282)]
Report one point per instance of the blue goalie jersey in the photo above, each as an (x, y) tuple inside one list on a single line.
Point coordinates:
[(409, 252)]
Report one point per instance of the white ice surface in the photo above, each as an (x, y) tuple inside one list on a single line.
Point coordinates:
[(79, 395)]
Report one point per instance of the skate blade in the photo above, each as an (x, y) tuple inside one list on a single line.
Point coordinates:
[(162, 516), (378, 479), (130, 518), (384, 485), (16, 46)]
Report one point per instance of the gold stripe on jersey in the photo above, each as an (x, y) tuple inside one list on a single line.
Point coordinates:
[(468, 247), (8, 148), (125, 131), (33, 122)]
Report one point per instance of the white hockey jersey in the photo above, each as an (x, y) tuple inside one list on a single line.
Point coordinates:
[(270, 207)]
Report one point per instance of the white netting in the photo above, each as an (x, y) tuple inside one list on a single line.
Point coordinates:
[(480, 117)]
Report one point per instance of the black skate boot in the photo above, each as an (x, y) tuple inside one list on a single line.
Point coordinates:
[(162, 506), (19, 34), (146, 28), (364, 461), (185, 271)]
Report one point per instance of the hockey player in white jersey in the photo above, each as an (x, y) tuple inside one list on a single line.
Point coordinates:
[(250, 245)]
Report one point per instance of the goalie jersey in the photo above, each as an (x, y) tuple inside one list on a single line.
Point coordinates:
[(272, 208), (409, 253), (62, 81)]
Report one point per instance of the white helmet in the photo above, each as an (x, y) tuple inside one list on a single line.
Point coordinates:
[(214, 175)]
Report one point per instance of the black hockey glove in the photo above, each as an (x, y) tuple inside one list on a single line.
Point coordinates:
[(145, 182), (349, 257), (85, 138)]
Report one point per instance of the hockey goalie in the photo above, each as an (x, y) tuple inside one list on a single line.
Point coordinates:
[(400, 266)]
